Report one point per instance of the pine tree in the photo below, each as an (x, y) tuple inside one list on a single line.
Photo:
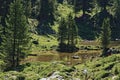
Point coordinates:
[(16, 37), (4, 7), (1, 31), (104, 3), (72, 33), (70, 2), (105, 36), (47, 11), (104, 13), (62, 35), (116, 28), (68, 34), (84, 5), (60, 1)]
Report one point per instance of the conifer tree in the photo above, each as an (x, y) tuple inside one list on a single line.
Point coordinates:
[(16, 37), (72, 33), (104, 3), (105, 36), (68, 34), (84, 5), (4, 7), (116, 28), (104, 13), (60, 1), (62, 35), (47, 11)]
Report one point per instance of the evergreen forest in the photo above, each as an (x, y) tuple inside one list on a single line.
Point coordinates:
[(59, 39)]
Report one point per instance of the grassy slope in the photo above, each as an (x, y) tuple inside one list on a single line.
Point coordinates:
[(102, 68), (44, 43), (98, 69)]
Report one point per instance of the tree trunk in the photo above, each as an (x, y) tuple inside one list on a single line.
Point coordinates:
[(14, 42), (83, 6), (18, 53)]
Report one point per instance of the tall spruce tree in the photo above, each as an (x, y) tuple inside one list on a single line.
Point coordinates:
[(4, 7), (116, 28), (104, 3), (47, 11), (105, 36), (72, 33), (68, 34), (60, 1), (16, 38), (62, 35), (104, 13), (84, 5)]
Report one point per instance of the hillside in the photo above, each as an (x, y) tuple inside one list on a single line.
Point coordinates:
[(59, 39), (97, 69)]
